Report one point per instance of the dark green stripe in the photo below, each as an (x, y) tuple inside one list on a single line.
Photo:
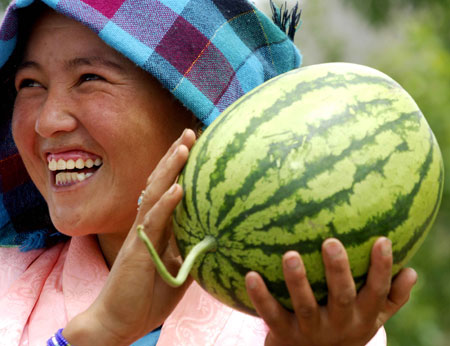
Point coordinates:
[(200, 160), (333, 80), (400, 254), (358, 78), (218, 282), (377, 226), (183, 223), (314, 169), (320, 289), (184, 244), (232, 149), (278, 151), (309, 209), (301, 89)]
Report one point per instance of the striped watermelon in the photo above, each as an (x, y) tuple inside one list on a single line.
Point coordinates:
[(333, 150)]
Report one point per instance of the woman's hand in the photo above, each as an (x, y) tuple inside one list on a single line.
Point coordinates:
[(349, 318), (135, 299)]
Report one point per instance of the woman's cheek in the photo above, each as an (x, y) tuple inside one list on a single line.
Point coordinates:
[(24, 135), (22, 125)]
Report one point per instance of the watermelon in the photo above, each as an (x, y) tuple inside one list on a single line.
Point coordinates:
[(332, 150)]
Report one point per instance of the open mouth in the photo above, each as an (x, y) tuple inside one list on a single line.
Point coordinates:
[(70, 171)]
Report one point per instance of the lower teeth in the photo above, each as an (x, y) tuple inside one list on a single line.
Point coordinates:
[(64, 178)]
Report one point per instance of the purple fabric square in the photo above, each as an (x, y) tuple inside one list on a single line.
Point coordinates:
[(106, 7), (182, 45), (9, 27), (148, 21), (220, 74), (81, 11)]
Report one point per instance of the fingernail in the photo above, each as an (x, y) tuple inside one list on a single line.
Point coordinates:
[(416, 276), (175, 152), (251, 282), (386, 247), (332, 248), (172, 189), (292, 263)]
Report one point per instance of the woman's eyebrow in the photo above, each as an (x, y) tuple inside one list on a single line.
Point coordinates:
[(93, 61), (76, 62), (27, 64)]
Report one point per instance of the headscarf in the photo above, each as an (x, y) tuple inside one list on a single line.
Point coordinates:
[(208, 53)]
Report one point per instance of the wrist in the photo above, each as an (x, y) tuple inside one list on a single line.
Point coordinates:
[(86, 328)]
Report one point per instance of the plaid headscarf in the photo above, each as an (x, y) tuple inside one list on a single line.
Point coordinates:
[(208, 53)]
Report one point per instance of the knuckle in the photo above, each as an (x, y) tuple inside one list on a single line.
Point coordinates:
[(306, 311), (398, 302), (345, 297), (379, 291), (385, 265), (271, 319), (149, 181), (148, 222), (297, 279), (338, 266)]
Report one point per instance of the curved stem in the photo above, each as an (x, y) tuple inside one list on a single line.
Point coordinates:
[(208, 243)]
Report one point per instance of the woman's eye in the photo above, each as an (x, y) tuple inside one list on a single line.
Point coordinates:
[(28, 83), (88, 77)]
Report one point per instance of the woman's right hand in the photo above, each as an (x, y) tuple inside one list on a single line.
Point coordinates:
[(135, 299)]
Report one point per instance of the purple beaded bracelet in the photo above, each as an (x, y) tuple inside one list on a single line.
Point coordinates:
[(58, 340)]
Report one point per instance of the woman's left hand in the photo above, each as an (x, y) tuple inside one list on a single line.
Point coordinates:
[(135, 299), (349, 318)]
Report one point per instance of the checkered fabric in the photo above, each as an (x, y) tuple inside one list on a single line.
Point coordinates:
[(208, 53)]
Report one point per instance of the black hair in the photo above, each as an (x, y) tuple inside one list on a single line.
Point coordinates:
[(27, 18)]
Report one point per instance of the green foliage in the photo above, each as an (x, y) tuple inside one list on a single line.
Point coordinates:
[(4, 4), (421, 64), (379, 11)]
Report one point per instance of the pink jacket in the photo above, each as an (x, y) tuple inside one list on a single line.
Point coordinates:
[(43, 289)]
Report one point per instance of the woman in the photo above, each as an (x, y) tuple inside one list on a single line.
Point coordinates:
[(93, 129)]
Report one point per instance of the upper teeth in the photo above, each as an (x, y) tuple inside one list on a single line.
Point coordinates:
[(61, 164)]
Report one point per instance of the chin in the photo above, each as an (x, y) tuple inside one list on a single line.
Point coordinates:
[(70, 224)]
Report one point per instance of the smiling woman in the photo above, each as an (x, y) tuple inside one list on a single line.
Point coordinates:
[(95, 122), (81, 100)]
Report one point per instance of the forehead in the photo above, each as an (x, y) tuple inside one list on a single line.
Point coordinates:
[(54, 35), (53, 30), (54, 24)]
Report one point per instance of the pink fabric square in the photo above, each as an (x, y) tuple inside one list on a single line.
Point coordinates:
[(106, 7)]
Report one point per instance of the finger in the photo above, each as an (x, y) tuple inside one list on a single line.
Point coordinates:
[(278, 319), (303, 300), (341, 286), (186, 139), (166, 292), (156, 220), (167, 170), (164, 176), (400, 292), (372, 297)]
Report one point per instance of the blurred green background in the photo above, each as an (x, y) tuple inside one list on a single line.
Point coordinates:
[(410, 41)]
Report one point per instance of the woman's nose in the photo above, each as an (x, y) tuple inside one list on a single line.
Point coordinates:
[(56, 115)]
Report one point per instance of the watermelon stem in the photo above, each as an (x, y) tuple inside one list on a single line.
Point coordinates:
[(207, 244)]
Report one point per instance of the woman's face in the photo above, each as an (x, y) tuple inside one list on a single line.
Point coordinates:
[(81, 104)]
